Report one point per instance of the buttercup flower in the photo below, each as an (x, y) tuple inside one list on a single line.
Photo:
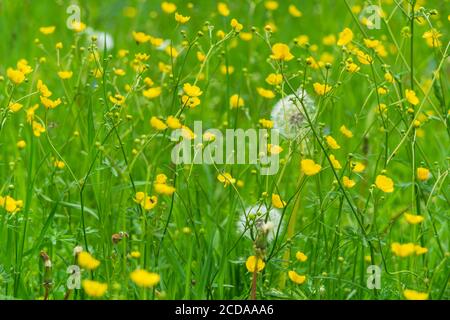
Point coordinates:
[(94, 288), (321, 89), (413, 219), (345, 37), (384, 183), (296, 278), (277, 202), (281, 51), (87, 261), (423, 174), (254, 264), (300, 256), (181, 19), (309, 167), (145, 279), (414, 295)]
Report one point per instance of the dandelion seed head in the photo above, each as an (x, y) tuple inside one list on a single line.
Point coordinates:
[(260, 224), (288, 116)]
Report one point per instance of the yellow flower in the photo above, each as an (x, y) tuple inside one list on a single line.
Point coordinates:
[(382, 90), (22, 66), (352, 67), (302, 40), (192, 90), (389, 77), (15, 76), (145, 279), (152, 93), (11, 205), (334, 162), (123, 53), (37, 128), (157, 124), (411, 97), (432, 38), (329, 40), (281, 51), (274, 79), (181, 19), (384, 183), (21, 144), (168, 7), (47, 30), (274, 149), (357, 166), (332, 143), (371, 44), (87, 261), (309, 167), (78, 26), (296, 278), (403, 250), (119, 72), (15, 106), (321, 89), (236, 25), (226, 179), (413, 219), (265, 93), (59, 164), (236, 101), (345, 37), (423, 174), (117, 99), (300, 256), (346, 132), (271, 5), (201, 56), (277, 202), (146, 202), (65, 74), (94, 288), (173, 122), (164, 189), (161, 178), (161, 186), (135, 254), (171, 51), (223, 9), (268, 124), (348, 183), (140, 37), (226, 69), (50, 104), (190, 102), (293, 11), (187, 133), (414, 295), (246, 36), (43, 89), (363, 57), (254, 264), (419, 250)]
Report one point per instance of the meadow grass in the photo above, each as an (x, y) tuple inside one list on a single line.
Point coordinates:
[(90, 182)]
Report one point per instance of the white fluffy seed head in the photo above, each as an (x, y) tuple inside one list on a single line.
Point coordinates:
[(260, 213), (288, 115)]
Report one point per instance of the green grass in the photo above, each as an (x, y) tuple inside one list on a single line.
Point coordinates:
[(191, 238)]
